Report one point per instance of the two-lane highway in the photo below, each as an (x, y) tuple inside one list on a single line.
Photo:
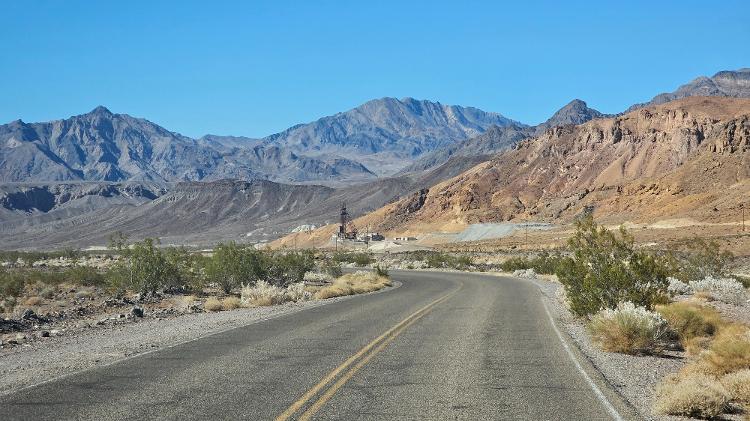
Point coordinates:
[(442, 346)]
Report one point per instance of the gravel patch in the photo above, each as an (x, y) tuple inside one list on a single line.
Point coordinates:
[(39, 361)]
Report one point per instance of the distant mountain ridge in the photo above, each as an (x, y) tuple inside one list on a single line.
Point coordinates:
[(384, 134), (387, 134), (726, 83), (497, 139)]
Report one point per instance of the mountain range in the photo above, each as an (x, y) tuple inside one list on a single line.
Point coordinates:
[(688, 158), (374, 139), (73, 181)]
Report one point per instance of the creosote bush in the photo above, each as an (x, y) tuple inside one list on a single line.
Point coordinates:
[(606, 269), (360, 259), (233, 265), (698, 259), (629, 329), (544, 263)]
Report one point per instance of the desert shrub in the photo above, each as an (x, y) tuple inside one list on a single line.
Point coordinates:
[(437, 260), (727, 290), (629, 329), (744, 280), (691, 322), (738, 386), (699, 258), (48, 292), (213, 304), (728, 352), (11, 284), (85, 275), (544, 263), (360, 259), (232, 265), (297, 292), (353, 283), (262, 293), (188, 268), (607, 269), (144, 269), (444, 260), (693, 395), (677, 287), (283, 268), (230, 303), (332, 268), (381, 271), (515, 263)]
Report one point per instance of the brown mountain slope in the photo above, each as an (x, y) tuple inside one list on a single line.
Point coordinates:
[(687, 158)]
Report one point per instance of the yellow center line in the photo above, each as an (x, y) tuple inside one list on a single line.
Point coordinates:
[(390, 334)]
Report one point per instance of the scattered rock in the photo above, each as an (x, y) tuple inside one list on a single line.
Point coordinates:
[(44, 334), (137, 311)]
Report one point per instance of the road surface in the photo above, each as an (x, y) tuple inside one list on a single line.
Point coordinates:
[(442, 346)]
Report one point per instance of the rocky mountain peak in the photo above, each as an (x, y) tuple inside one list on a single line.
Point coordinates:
[(101, 111), (574, 112)]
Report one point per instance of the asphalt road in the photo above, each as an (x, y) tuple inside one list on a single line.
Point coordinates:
[(442, 346)]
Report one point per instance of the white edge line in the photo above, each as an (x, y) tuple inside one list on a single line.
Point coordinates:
[(208, 335), (603, 399)]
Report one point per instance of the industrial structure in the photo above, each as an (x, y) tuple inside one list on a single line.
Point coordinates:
[(347, 230)]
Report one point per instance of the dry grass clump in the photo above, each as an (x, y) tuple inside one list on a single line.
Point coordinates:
[(692, 323), (184, 302), (230, 303), (629, 329), (729, 351), (212, 304), (353, 283), (262, 294), (265, 294), (693, 395), (738, 386), (32, 301)]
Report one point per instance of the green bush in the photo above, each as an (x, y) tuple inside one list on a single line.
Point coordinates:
[(287, 267), (232, 266), (332, 268), (84, 275), (144, 268), (699, 259), (544, 263), (607, 269), (360, 259), (11, 285), (188, 267), (438, 259)]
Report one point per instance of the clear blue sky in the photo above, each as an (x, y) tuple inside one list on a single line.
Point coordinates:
[(255, 68)]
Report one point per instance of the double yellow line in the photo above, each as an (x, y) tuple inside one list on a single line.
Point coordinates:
[(361, 358)]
